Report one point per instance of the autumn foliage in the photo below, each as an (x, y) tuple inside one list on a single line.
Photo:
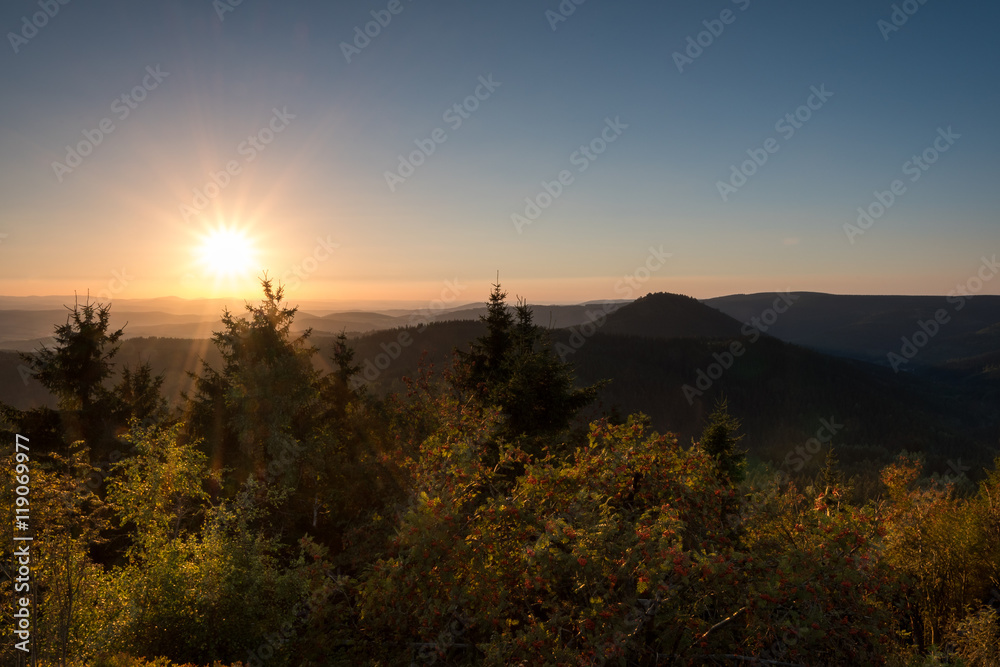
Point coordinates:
[(285, 517)]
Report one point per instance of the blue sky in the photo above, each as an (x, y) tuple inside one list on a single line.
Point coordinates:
[(313, 206)]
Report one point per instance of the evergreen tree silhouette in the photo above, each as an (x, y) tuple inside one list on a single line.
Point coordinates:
[(719, 439), (513, 367)]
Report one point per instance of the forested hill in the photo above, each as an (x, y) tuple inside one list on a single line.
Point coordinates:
[(781, 391), (670, 357), (664, 315)]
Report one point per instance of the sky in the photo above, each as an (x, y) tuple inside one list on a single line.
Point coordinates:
[(409, 150)]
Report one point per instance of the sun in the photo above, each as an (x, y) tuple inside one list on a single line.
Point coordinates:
[(227, 252)]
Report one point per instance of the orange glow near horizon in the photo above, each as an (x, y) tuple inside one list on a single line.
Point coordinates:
[(372, 294)]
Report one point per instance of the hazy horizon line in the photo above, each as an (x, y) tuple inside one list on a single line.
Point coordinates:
[(413, 304)]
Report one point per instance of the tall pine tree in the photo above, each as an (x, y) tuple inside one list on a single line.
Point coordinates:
[(74, 370), (513, 367), (265, 398)]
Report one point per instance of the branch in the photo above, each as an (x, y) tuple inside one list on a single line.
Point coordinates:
[(720, 624), (788, 533)]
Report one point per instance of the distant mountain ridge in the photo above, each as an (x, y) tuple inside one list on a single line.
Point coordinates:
[(870, 328), (27, 329), (966, 338)]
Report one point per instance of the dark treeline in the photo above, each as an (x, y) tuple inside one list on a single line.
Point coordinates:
[(496, 510)]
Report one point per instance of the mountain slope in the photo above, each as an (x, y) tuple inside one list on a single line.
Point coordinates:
[(780, 391)]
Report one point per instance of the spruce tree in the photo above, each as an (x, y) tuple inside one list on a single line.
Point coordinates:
[(138, 395), (265, 397), (74, 371), (719, 439), (485, 369), (513, 367), (343, 357), (830, 476)]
